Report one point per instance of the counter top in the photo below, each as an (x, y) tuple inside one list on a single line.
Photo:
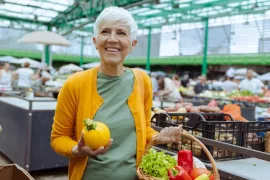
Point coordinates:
[(252, 168), (21, 103)]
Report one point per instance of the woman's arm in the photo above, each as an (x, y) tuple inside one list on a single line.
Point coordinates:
[(64, 120), (148, 103)]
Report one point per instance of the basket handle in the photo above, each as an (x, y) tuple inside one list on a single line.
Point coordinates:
[(154, 141)]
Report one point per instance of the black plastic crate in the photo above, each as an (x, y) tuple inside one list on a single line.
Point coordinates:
[(254, 134), (208, 125), (187, 119)]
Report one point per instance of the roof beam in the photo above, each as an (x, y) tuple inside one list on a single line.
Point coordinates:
[(53, 2), (193, 7), (19, 13), (77, 12), (32, 6), (241, 12), (23, 20)]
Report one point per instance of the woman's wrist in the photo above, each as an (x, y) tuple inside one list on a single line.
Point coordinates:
[(155, 136), (74, 150)]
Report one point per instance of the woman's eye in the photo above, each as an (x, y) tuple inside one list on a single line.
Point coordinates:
[(122, 33), (104, 32)]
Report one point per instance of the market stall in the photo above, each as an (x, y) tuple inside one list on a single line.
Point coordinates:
[(253, 164), (25, 138)]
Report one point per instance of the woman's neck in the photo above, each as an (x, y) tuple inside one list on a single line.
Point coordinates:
[(110, 70)]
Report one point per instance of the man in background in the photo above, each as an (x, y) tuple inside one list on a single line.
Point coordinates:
[(201, 86), (229, 85), (252, 84), (24, 77), (154, 83), (168, 90), (6, 77)]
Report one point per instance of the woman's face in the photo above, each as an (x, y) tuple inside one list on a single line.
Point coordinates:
[(113, 43)]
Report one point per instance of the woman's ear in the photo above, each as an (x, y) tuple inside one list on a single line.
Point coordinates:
[(133, 44), (95, 42)]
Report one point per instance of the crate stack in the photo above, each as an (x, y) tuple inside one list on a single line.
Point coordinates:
[(216, 126)]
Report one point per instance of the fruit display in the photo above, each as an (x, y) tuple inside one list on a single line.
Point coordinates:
[(96, 134), (214, 94), (188, 107), (245, 96)]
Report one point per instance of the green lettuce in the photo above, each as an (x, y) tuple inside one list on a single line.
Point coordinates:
[(157, 164)]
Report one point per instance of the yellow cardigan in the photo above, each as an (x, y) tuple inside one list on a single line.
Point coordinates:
[(79, 99)]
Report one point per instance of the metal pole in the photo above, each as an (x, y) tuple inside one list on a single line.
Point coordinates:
[(148, 49), (47, 50), (81, 56), (204, 65)]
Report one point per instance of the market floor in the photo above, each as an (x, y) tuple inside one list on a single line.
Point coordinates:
[(54, 174)]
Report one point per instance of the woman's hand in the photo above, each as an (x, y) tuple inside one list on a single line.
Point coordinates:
[(169, 134), (82, 150)]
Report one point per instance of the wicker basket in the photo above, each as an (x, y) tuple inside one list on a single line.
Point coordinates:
[(267, 142), (185, 135)]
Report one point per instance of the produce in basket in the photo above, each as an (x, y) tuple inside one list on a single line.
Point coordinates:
[(201, 172), (157, 164), (185, 160), (178, 173), (96, 134)]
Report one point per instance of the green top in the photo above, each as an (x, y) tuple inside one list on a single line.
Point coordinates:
[(119, 162)]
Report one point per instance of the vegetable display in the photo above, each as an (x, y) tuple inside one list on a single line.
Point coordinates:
[(96, 134), (157, 164), (188, 107)]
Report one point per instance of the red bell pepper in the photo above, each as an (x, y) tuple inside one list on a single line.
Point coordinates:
[(185, 160), (181, 174)]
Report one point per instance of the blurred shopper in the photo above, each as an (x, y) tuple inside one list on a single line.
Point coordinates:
[(6, 77), (168, 89), (185, 80), (44, 75), (154, 83), (252, 84), (176, 80), (24, 77), (118, 96), (201, 86), (216, 85), (229, 85)]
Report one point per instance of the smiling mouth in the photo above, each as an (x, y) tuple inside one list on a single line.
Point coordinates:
[(112, 49)]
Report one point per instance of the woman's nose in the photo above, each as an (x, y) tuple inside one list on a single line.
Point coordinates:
[(112, 37)]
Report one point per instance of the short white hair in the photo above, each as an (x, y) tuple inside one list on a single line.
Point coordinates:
[(115, 14)]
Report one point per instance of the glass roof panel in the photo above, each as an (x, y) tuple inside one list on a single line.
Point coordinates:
[(184, 5), (41, 10), (44, 18), (54, 12), (135, 11), (203, 1), (161, 5), (150, 12)]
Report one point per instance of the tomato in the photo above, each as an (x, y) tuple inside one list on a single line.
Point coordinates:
[(96, 134), (196, 172)]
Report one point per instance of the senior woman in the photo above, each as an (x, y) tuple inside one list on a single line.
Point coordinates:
[(113, 94)]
